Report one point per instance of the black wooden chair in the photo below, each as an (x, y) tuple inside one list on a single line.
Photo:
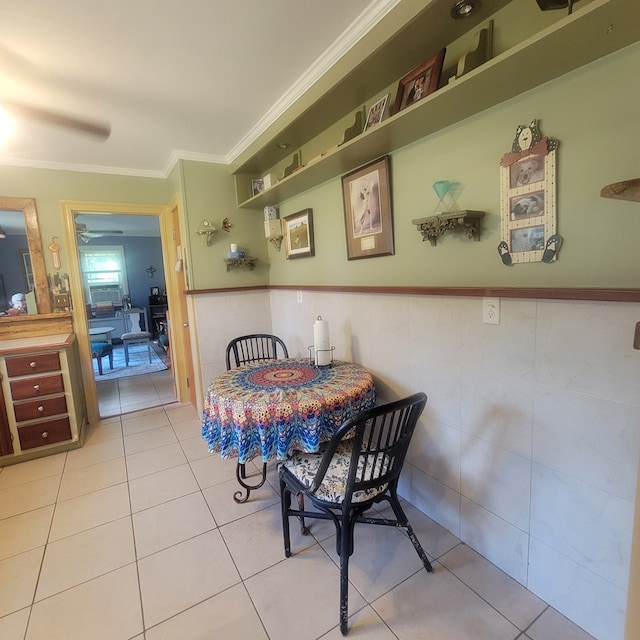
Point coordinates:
[(359, 467), (255, 348)]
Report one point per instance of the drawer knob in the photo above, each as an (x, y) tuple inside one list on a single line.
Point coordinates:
[(40, 409), (33, 365), (45, 434), (36, 387)]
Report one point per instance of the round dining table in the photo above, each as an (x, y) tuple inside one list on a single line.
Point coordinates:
[(271, 408)]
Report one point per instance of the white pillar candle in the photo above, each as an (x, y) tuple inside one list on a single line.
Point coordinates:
[(234, 248), (321, 342)]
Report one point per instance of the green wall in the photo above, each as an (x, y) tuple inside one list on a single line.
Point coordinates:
[(209, 194), (49, 187), (594, 113)]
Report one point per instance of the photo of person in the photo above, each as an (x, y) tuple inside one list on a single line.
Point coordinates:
[(419, 87), (365, 205)]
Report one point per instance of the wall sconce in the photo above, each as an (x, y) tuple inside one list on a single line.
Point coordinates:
[(206, 230), (273, 227)]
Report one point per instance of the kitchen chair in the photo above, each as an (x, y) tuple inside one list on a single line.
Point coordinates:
[(359, 467), (254, 348), (137, 337)]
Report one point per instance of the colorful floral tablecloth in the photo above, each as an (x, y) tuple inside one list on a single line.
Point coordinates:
[(270, 409)]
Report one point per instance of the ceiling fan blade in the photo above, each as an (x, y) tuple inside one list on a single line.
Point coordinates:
[(100, 130)]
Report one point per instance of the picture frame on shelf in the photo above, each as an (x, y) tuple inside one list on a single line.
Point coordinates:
[(155, 291), (420, 82), (298, 234), (257, 186), (368, 218), (376, 112)]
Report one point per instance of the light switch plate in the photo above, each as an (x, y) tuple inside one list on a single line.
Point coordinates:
[(491, 310)]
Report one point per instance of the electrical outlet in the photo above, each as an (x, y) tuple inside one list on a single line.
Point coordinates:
[(299, 296), (491, 310)]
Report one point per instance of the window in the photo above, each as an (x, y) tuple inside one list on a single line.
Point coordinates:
[(104, 274)]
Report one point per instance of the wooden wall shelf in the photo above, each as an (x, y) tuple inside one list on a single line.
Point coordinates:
[(239, 263), (437, 225), (591, 32)]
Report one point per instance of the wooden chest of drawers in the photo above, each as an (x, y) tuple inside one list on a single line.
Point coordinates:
[(38, 394)]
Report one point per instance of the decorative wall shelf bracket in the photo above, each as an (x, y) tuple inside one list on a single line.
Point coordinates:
[(248, 263), (433, 227), (625, 190)]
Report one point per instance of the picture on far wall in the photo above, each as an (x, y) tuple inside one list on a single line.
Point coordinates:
[(366, 194), (298, 234)]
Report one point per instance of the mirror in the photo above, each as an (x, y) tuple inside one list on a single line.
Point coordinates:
[(29, 265)]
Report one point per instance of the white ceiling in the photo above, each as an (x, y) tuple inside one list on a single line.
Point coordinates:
[(174, 78)]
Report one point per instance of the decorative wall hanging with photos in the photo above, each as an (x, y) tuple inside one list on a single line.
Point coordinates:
[(528, 199)]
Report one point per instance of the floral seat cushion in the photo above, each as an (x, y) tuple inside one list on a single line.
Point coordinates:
[(304, 467)]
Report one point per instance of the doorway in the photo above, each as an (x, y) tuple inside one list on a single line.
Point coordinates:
[(122, 271), (104, 220)]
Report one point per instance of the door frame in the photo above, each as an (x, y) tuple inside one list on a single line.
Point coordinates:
[(69, 209)]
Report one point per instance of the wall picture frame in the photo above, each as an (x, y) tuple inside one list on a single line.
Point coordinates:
[(368, 218), (420, 82), (298, 234), (376, 113)]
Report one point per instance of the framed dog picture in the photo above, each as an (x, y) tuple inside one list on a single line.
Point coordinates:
[(420, 82), (298, 234), (528, 199), (366, 194)]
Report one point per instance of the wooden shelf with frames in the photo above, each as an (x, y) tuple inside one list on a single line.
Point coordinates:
[(591, 32)]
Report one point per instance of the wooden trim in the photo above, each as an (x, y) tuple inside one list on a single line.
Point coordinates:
[(197, 292), (603, 295), (34, 241)]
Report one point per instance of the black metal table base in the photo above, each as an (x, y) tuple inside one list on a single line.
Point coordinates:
[(241, 476)]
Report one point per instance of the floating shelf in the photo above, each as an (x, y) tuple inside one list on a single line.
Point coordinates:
[(592, 31), (247, 263), (435, 226)]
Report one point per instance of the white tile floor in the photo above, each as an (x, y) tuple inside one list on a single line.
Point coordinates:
[(124, 395), (136, 536)]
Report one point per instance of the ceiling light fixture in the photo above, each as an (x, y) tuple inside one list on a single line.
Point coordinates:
[(282, 145), (464, 8)]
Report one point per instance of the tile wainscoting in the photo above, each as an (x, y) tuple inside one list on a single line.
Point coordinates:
[(528, 448)]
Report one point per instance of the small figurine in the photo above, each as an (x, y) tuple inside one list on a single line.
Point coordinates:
[(18, 304)]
